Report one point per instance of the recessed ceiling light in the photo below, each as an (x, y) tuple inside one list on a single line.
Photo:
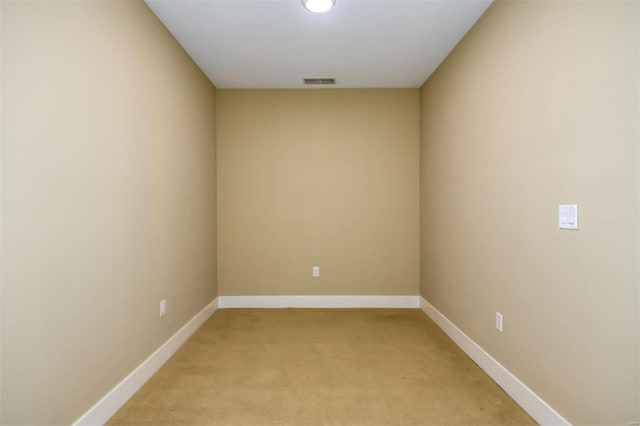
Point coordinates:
[(318, 6)]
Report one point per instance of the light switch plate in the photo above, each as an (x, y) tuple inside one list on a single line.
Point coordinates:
[(568, 216)]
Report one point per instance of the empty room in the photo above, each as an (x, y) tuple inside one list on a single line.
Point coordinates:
[(322, 212)]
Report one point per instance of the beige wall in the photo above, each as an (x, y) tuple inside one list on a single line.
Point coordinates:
[(538, 106), (324, 178), (108, 200), (1, 174)]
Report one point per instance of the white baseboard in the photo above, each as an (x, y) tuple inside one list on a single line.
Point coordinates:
[(318, 302), (537, 408), (525, 397), (116, 397)]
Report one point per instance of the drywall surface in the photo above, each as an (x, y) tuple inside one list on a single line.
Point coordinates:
[(108, 200), (536, 107), (0, 217), (324, 178)]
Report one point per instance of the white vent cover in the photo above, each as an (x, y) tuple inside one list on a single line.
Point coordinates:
[(319, 81)]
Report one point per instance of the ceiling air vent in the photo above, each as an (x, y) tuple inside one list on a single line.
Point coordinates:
[(319, 81)]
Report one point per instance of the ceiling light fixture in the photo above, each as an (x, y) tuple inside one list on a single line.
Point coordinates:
[(318, 6)]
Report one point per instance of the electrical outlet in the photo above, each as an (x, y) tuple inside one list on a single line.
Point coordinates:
[(163, 308), (499, 322), (315, 271)]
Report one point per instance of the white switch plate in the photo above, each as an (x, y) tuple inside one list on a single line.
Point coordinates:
[(568, 216), (163, 308), (315, 271), (499, 322)]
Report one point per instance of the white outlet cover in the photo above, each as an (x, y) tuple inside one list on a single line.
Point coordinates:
[(315, 271)]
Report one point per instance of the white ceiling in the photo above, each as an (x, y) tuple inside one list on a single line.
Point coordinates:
[(277, 43)]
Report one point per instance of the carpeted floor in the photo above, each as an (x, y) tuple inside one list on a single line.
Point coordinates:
[(262, 367)]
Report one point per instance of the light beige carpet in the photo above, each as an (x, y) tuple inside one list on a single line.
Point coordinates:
[(320, 367)]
